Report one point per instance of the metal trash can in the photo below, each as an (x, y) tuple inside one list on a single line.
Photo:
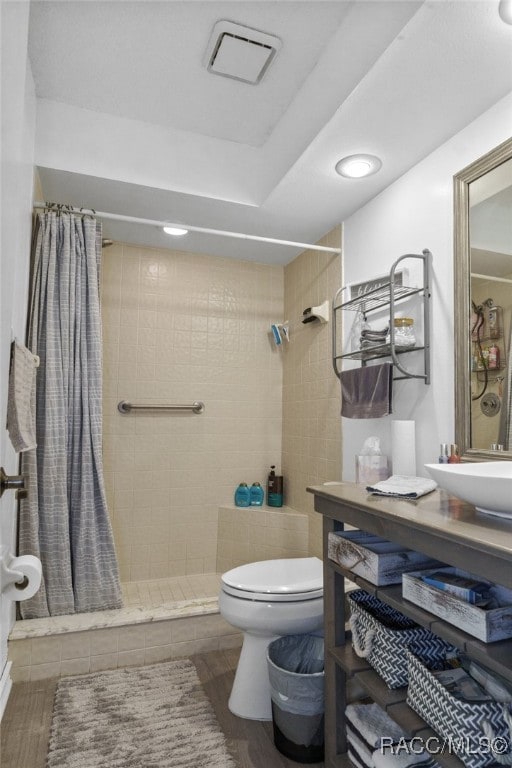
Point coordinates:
[(296, 675)]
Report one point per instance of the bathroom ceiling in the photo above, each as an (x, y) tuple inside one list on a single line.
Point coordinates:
[(130, 121)]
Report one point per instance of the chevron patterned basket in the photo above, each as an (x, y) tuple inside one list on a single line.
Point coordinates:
[(381, 634), (468, 728)]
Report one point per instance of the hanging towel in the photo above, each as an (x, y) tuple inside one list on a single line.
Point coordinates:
[(366, 392), (21, 416), (403, 486)]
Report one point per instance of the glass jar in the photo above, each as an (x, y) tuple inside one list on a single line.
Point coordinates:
[(404, 331)]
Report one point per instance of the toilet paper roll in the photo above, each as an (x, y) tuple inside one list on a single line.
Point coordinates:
[(403, 447), (30, 567)]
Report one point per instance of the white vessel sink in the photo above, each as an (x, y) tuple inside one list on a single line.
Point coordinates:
[(485, 484)]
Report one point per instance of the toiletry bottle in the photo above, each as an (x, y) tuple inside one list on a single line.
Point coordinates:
[(494, 356), (443, 454), (243, 495), (274, 488), (454, 457), (493, 322), (256, 495), (270, 480)]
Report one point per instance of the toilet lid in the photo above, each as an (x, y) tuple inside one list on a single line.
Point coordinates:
[(288, 579)]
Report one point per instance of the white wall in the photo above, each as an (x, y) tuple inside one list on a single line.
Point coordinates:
[(414, 213), (18, 130)]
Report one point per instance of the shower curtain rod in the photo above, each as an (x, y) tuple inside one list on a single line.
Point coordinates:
[(204, 230)]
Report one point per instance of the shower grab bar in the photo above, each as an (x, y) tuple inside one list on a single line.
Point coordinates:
[(125, 407)]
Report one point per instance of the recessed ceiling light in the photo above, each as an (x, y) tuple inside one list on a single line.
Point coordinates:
[(175, 231), (357, 166)]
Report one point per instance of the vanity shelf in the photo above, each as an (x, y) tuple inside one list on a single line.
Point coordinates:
[(438, 525), (385, 296)]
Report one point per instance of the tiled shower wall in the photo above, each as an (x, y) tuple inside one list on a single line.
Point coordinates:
[(179, 327), (311, 391)]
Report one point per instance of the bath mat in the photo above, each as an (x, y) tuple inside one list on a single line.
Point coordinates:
[(138, 717)]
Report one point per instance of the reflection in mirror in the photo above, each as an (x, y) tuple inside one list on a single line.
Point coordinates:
[(490, 242), (483, 306)]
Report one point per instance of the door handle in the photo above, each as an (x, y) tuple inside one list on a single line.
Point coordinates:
[(8, 482)]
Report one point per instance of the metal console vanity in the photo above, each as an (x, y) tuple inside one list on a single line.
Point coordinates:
[(438, 525)]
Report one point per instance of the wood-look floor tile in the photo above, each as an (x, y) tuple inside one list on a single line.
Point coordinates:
[(27, 719)]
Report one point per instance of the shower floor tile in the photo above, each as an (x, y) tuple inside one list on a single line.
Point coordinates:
[(157, 592), (144, 601)]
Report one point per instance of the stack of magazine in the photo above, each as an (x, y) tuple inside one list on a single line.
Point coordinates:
[(465, 587)]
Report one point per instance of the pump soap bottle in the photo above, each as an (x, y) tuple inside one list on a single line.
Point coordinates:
[(274, 488)]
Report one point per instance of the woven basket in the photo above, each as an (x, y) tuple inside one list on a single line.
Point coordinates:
[(381, 634), (471, 729)]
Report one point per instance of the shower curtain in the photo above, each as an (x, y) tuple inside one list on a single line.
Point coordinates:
[(64, 520)]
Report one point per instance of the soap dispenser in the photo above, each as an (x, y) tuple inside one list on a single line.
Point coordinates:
[(274, 488)]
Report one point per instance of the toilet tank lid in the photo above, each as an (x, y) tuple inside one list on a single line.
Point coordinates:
[(274, 577)]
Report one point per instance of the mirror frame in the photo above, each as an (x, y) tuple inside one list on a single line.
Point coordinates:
[(462, 292)]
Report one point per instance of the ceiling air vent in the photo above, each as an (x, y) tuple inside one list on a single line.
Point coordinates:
[(240, 52)]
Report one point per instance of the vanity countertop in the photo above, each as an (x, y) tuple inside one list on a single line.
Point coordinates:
[(440, 525)]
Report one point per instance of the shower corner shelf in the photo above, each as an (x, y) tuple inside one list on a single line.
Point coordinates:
[(380, 298)]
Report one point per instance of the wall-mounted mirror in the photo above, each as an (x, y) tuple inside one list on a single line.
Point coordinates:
[(483, 306)]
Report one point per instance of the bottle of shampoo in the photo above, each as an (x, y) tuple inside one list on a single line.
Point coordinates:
[(274, 488), (494, 356), (243, 496), (256, 495)]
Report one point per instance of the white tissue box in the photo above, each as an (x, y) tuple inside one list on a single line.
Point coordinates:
[(371, 469), (373, 558)]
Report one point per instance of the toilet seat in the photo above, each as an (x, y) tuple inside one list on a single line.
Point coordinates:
[(275, 597), (281, 580)]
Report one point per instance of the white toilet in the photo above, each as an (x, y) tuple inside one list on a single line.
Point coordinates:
[(267, 600)]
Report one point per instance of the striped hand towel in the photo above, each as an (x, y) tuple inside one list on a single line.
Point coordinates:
[(21, 398)]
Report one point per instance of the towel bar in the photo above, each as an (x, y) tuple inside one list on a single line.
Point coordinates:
[(125, 407)]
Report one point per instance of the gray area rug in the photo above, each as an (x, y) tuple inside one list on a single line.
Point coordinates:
[(137, 717)]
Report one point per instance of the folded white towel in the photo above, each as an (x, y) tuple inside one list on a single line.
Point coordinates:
[(496, 686), (356, 762), (21, 417), (403, 486), (357, 748), (371, 723), (403, 758)]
